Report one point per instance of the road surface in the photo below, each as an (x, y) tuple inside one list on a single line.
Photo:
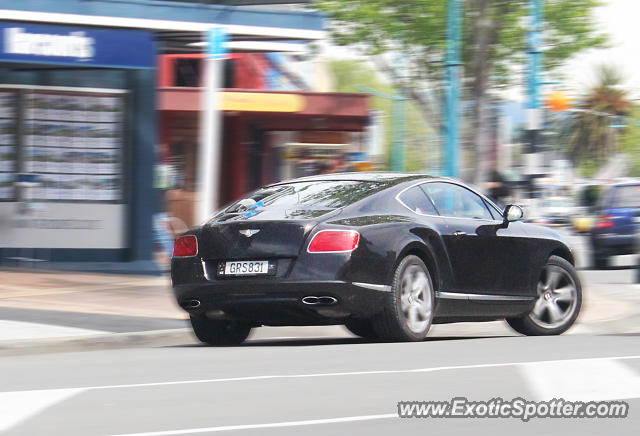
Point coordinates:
[(316, 387)]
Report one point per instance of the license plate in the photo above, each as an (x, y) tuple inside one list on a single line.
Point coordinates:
[(246, 268)]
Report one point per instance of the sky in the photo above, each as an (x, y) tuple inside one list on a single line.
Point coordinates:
[(618, 18)]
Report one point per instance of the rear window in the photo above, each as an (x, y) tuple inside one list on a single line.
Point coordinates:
[(307, 195), (626, 197)]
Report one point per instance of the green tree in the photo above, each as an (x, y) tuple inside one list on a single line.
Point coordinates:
[(494, 43), (589, 134), (348, 74), (630, 140)]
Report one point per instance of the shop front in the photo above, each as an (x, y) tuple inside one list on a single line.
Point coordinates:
[(78, 126), (77, 138), (267, 136)]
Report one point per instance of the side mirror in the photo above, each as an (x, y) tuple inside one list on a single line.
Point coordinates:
[(512, 213)]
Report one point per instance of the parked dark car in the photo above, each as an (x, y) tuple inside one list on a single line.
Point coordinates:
[(614, 232), (385, 254)]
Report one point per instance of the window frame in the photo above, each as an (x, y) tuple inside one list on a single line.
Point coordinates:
[(487, 203), (418, 186)]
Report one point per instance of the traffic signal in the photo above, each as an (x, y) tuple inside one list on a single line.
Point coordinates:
[(557, 101)]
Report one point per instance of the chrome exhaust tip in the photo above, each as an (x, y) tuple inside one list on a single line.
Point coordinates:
[(310, 300), (191, 304), (327, 300), (324, 300)]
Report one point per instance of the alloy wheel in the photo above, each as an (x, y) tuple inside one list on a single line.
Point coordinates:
[(557, 298), (415, 298)]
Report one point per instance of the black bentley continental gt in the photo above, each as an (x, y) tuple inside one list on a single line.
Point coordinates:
[(385, 254)]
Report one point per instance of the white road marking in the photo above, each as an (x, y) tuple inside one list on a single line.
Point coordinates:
[(352, 373), (265, 425), (16, 407), (63, 393), (16, 330), (590, 380)]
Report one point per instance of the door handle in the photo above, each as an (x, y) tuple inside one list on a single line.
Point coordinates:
[(459, 233)]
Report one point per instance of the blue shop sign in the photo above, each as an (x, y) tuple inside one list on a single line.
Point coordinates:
[(98, 47), (217, 43)]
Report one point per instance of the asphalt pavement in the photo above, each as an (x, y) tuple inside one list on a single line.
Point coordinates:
[(317, 387)]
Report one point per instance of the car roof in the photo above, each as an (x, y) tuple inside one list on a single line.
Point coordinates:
[(368, 176)]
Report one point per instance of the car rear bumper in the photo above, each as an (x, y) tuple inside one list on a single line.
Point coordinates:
[(270, 302), (613, 243)]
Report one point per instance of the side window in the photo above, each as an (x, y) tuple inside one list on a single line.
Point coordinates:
[(416, 200), (457, 201)]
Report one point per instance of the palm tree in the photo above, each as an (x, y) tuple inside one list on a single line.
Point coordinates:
[(589, 134)]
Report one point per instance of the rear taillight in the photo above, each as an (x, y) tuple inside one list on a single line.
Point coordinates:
[(604, 222), (185, 246), (334, 241)]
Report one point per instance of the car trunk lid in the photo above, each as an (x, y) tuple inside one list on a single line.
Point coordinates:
[(254, 239)]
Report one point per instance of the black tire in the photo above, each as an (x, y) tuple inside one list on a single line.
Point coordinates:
[(219, 332), (392, 323), (529, 324), (362, 328)]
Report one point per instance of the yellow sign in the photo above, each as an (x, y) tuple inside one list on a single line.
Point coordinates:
[(261, 102)]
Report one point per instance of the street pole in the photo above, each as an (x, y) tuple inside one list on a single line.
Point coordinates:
[(398, 120), (533, 109), (452, 86), (210, 119)]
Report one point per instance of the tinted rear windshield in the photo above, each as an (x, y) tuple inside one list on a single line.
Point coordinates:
[(625, 197), (318, 195)]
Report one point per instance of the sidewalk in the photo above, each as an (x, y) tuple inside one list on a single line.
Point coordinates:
[(43, 311), (109, 294), (81, 311)]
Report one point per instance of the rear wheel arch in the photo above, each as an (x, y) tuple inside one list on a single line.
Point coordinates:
[(426, 255)]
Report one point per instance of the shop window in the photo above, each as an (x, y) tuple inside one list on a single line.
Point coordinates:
[(188, 73), (228, 71), (70, 142), (8, 144)]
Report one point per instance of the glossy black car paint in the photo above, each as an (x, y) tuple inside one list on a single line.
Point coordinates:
[(499, 264)]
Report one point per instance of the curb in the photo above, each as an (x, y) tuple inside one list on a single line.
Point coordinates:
[(107, 341), (627, 325), (141, 267), (629, 322)]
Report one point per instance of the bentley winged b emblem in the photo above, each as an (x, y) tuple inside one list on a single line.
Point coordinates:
[(249, 232)]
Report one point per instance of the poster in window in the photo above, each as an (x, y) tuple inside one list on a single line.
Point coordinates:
[(7, 158), (110, 161), (72, 141), (7, 186), (7, 131), (7, 104)]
